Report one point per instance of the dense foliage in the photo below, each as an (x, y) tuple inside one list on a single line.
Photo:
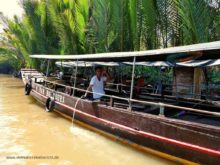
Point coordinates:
[(93, 26)]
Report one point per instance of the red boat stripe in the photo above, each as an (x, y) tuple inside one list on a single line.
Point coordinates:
[(145, 134)]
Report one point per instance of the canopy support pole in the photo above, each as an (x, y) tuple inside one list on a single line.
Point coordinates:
[(48, 64), (132, 83), (76, 70)]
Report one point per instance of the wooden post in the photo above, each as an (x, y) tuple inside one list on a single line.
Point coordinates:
[(76, 70), (161, 109), (197, 80), (111, 102), (132, 83), (48, 64)]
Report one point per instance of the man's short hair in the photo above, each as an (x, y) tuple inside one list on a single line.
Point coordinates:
[(98, 67)]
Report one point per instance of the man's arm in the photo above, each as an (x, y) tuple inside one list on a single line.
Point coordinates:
[(89, 89), (106, 74)]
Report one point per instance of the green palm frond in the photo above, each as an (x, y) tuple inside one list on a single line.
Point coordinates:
[(69, 23), (92, 26), (195, 20), (150, 23)]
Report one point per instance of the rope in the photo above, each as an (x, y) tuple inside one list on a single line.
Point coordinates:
[(74, 109), (179, 114)]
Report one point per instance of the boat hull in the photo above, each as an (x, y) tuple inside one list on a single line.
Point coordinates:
[(187, 140)]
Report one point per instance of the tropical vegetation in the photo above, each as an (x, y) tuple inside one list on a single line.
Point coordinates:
[(94, 26)]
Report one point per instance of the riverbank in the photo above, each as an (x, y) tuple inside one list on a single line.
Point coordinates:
[(5, 66)]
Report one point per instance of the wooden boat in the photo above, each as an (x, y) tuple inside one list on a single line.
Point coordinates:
[(189, 140)]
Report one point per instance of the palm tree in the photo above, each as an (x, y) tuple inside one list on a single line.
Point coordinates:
[(69, 23), (195, 19), (93, 26)]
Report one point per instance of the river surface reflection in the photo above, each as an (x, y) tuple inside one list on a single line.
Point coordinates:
[(29, 135)]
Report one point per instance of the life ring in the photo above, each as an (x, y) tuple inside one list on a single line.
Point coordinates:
[(28, 88), (50, 103)]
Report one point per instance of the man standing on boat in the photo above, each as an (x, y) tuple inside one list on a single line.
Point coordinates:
[(96, 84)]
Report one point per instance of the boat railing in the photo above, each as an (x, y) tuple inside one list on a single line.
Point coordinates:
[(163, 105), (179, 91), (160, 105), (178, 94)]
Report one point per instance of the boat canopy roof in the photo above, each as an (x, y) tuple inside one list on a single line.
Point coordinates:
[(151, 63), (202, 51), (71, 64), (191, 63), (199, 63)]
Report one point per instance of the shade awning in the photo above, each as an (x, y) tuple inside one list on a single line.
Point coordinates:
[(153, 63), (202, 51), (199, 63), (71, 64), (191, 63)]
